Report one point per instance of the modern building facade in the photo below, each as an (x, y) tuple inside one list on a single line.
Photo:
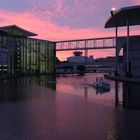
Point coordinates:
[(128, 67), (21, 55)]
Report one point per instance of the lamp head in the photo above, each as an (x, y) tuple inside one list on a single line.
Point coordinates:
[(113, 11)]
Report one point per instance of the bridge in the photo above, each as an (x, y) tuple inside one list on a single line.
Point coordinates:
[(86, 44)]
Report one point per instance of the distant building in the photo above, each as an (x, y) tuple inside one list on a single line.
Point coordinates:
[(78, 58), (110, 59)]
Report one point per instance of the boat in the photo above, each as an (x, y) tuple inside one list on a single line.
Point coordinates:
[(102, 85)]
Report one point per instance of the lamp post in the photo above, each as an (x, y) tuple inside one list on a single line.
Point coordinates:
[(113, 10), (127, 50)]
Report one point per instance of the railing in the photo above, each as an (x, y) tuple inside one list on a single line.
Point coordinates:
[(82, 44)]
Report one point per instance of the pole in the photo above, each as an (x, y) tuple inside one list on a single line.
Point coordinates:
[(86, 53), (127, 50), (116, 63)]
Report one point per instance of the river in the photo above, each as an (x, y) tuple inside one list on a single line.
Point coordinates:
[(65, 108)]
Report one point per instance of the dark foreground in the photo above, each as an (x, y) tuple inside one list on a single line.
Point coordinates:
[(31, 111)]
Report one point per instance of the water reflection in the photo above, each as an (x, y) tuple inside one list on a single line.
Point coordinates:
[(85, 92), (116, 93), (100, 91), (83, 86), (24, 88), (131, 95), (29, 110)]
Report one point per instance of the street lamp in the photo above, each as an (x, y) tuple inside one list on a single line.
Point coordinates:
[(113, 11)]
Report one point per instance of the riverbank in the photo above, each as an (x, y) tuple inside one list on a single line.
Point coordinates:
[(122, 78)]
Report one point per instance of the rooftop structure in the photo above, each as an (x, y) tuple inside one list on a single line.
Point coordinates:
[(77, 53), (123, 17), (128, 16), (18, 31), (127, 70), (78, 58)]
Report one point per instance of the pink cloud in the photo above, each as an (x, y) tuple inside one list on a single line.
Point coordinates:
[(46, 29), (136, 1)]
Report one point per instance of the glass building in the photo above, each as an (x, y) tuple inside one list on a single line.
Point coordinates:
[(21, 55)]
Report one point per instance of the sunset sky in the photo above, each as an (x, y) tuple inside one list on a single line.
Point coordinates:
[(62, 19)]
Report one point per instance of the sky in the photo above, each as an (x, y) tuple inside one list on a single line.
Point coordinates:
[(63, 19)]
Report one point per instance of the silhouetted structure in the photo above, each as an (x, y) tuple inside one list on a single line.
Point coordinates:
[(128, 69), (21, 55)]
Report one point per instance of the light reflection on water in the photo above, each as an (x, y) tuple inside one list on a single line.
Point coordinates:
[(83, 86), (29, 110)]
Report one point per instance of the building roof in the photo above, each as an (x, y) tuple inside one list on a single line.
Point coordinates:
[(15, 30), (120, 17)]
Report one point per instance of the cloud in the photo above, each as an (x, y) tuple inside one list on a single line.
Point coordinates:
[(78, 13), (46, 28), (49, 30), (56, 17), (75, 14), (16, 5), (63, 19), (136, 1)]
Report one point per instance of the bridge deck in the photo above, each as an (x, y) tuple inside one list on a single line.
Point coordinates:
[(86, 44)]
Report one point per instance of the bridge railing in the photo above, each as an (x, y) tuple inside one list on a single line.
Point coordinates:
[(82, 44)]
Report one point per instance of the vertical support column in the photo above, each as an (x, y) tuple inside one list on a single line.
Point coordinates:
[(77, 45), (86, 52), (94, 43), (40, 57), (35, 50), (34, 56), (9, 52), (54, 56), (12, 53), (68, 45), (103, 43), (45, 57), (26, 63), (38, 54), (116, 52), (22, 55), (30, 57), (127, 50)]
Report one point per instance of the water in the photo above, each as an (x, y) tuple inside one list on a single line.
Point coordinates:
[(29, 110), (82, 86)]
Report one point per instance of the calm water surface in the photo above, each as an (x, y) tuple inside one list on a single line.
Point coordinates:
[(70, 109)]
